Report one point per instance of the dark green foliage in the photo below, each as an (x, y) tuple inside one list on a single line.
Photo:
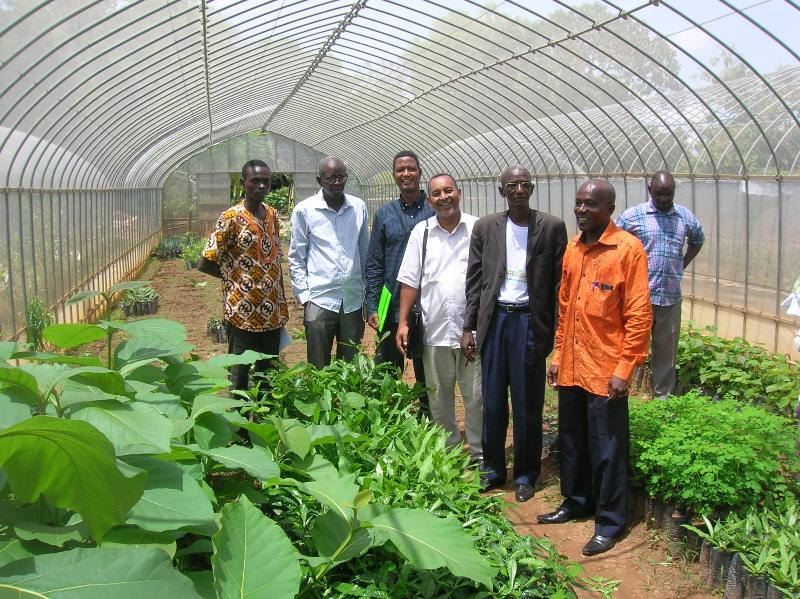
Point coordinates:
[(279, 199), (737, 369), (707, 455), (172, 246), (37, 317)]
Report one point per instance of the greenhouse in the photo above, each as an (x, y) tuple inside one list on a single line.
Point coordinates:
[(124, 130)]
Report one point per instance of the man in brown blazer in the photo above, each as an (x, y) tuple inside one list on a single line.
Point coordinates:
[(513, 275)]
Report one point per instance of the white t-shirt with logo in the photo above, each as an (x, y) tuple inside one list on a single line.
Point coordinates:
[(514, 289)]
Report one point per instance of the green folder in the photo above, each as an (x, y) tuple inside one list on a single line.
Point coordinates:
[(383, 307)]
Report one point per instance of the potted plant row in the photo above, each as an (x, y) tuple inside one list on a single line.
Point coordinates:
[(140, 301)]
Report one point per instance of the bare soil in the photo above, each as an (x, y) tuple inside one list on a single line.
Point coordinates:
[(640, 561)]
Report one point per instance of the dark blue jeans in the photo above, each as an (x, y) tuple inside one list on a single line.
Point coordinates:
[(593, 445), (509, 362)]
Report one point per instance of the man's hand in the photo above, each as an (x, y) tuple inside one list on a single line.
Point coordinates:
[(372, 321), (401, 339), (617, 388), (552, 376), (468, 345)]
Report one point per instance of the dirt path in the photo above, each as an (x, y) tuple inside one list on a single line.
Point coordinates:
[(640, 562)]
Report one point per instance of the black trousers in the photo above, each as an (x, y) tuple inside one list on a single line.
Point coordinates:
[(509, 364), (239, 341), (593, 441)]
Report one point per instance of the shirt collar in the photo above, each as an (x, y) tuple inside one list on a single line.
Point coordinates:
[(609, 236), (417, 205), (319, 202), (436, 224), (651, 208)]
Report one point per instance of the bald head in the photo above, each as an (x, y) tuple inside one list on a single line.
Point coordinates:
[(662, 190), (332, 178), (514, 172), (594, 205), (331, 162), (516, 188)]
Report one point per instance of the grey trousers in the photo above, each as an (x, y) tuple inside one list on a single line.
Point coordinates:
[(323, 326), (666, 330)]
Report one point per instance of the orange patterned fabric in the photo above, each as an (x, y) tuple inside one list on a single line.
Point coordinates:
[(249, 256), (604, 314)]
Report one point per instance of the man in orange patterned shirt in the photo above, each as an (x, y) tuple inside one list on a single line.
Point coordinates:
[(244, 250), (603, 331)]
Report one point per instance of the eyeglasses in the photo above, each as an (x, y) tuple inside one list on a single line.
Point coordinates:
[(512, 186), (334, 178)]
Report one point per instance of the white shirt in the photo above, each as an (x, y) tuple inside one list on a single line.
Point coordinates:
[(328, 253), (514, 289), (443, 293)]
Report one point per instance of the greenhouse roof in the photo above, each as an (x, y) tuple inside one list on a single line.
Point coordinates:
[(116, 93)]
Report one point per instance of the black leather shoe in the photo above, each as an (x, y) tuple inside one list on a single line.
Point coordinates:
[(560, 516), (524, 492), (490, 482), (598, 544)]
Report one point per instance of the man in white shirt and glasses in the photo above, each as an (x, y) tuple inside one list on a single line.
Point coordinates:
[(439, 280), (327, 257)]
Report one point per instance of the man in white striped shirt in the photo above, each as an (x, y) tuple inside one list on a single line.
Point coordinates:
[(327, 257)]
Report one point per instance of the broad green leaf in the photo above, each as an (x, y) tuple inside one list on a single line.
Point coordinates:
[(198, 546), (203, 581), (97, 573), (108, 381), (318, 467), (12, 549), (133, 427), (74, 393), (82, 296), (296, 438), (137, 351), (125, 285), (330, 433), (50, 535), (76, 469), (247, 357), (131, 536), (155, 328), (166, 403), (21, 385), (354, 400), (12, 409), (72, 334), (253, 557), (46, 358), (253, 460), (213, 403), (336, 493), (9, 348), (212, 430), (171, 500), (429, 542), (330, 532)]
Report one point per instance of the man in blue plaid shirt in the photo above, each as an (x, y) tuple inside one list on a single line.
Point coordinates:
[(664, 228)]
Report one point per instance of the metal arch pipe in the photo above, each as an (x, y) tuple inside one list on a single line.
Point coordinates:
[(356, 7)]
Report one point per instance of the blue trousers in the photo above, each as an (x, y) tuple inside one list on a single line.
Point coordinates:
[(593, 445), (509, 361)]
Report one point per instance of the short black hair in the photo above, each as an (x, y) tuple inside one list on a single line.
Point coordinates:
[(437, 175), (250, 164), (406, 154)]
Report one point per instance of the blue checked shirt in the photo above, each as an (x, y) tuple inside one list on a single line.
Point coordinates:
[(391, 228), (663, 235), (328, 253)]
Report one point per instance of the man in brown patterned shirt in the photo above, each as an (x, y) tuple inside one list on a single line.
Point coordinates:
[(244, 250)]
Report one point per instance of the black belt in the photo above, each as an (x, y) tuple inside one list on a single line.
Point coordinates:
[(503, 307)]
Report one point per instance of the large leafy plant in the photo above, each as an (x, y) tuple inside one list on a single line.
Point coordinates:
[(331, 487), (706, 455)]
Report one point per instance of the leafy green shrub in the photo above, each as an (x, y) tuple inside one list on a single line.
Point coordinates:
[(737, 369), (37, 317), (172, 246), (278, 199), (191, 252), (707, 455), (336, 490), (140, 301)]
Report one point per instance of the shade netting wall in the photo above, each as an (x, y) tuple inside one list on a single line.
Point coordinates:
[(100, 101)]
